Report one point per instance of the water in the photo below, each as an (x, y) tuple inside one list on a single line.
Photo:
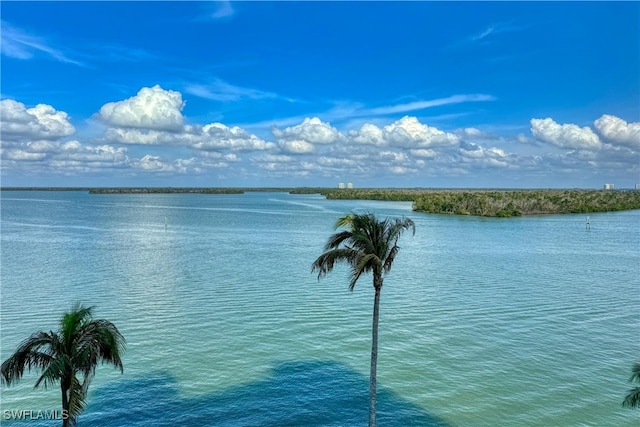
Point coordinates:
[(484, 322)]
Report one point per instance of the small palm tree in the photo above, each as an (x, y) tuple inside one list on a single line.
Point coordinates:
[(62, 356), (368, 245), (632, 400)]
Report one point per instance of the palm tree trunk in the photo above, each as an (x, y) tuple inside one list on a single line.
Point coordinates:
[(65, 404), (377, 284)]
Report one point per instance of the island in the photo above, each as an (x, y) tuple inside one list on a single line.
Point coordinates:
[(495, 202)]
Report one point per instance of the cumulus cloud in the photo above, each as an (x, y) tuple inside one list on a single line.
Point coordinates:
[(152, 108), (211, 137), (154, 163), (71, 156), (297, 147), (407, 132), (474, 153), (394, 156), (40, 122), (615, 130), (336, 161), (216, 136), (410, 133), (311, 130), (368, 134), (565, 136), (142, 137), (422, 152)]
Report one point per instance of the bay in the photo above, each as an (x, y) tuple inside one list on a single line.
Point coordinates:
[(526, 321)]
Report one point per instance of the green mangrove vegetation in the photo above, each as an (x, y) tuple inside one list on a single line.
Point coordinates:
[(500, 203)]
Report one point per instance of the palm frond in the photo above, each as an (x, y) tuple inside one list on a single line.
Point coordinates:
[(632, 400), (29, 355), (77, 399), (390, 257), (635, 373), (335, 240), (344, 221), (325, 262)]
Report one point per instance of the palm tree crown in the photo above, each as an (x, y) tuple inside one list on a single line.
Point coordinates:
[(368, 245), (62, 356)]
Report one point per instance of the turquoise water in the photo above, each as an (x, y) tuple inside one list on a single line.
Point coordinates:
[(484, 322)]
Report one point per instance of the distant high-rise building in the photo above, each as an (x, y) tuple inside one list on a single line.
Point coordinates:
[(341, 185), (609, 186), (637, 186), (349, 185)]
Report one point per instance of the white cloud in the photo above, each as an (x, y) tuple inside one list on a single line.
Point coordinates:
[(614, 129), (229, 157), (154, 117), (137, 136), (216, 136), (67, 156), (393, 156), (273, 158), (297, 147), (408, 132), (368, 134), (421, 152), (493, 156), (565, 136), (335, 161), (399, 170), (152, 108), (421, 105), (311, 130), (154, 163), (474, 134), (39, 122)]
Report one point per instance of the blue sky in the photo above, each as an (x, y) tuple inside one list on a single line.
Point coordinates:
[(390, 94)]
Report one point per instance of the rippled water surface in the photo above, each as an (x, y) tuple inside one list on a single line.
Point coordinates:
[(484, 322)]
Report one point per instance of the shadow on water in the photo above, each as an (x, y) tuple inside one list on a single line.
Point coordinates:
[(296, 394)]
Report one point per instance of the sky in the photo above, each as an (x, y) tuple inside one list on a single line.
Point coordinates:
[(290, 94)]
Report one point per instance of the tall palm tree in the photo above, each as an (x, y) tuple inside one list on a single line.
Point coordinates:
[(632, 400), (62, 356), (368, 245)]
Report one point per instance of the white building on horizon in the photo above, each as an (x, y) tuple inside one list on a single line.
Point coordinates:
[(341, 185), (609, 186)]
